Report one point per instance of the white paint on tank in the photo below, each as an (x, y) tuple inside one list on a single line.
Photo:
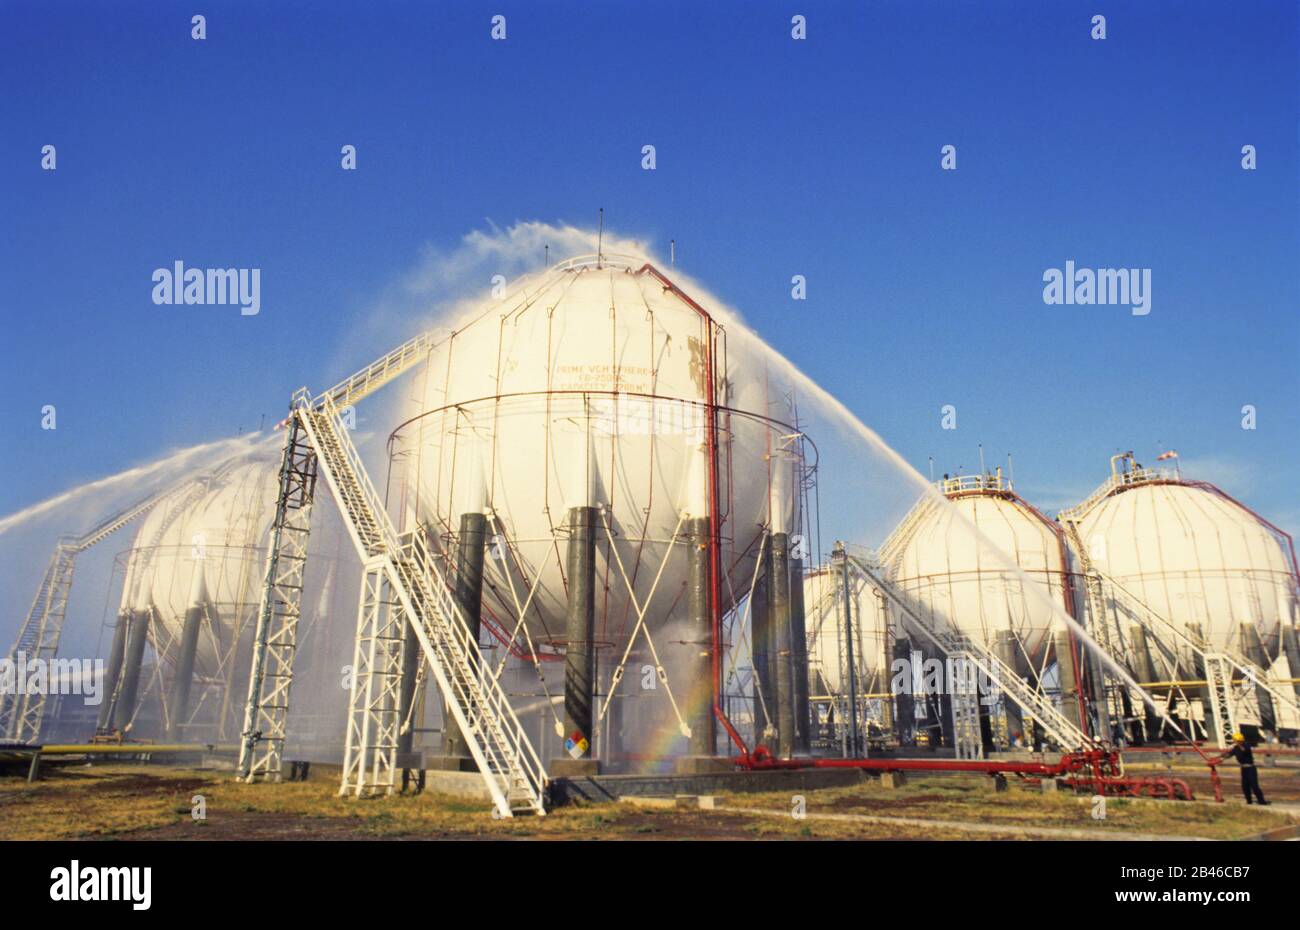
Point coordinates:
[(588, 386), (951, 566), (827, 639), (209, 550), (1194, 557)]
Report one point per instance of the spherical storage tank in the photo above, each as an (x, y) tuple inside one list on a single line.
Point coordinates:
[(588, 386), (1190, 553), (983, 562), (204, 545), (827, 637)]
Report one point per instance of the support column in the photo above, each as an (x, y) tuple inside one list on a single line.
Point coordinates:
[(799, 658), (184, 674), (1200, 673), (853, 741), (1006, 648), (579, 654), (1100, 697), (904, 702), (702, 746), (784, 683), (1145, 670), (1291, 647), (137, 635), (700, 617), (760, 642), (468, 591), (944, 703), (116, 655), (1069, 681), (1253, 647)]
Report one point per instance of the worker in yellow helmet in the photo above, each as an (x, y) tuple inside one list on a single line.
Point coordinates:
[(1246, 760)]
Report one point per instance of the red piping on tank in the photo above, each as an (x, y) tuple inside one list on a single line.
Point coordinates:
[(715, 528)]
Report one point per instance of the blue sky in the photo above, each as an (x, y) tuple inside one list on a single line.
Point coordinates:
[(775, 158)]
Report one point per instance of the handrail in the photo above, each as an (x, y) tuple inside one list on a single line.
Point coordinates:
[(433, 612), (1112, 484), (1056, 724)]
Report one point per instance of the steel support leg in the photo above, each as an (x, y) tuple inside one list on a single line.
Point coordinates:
[(699, 709), (113, 674), (136, 638), (276, 635), (370, 751), (799, 656), (180, 694), (783, 699), (469, 597)]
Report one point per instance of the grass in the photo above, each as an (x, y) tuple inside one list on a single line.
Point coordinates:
[(125, 801), (972, 800)]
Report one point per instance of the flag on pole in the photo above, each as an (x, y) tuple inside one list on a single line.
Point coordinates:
[(1171, 454)]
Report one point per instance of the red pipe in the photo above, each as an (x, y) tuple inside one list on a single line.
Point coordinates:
[(715, 528), (1098, 769), (762, 759)]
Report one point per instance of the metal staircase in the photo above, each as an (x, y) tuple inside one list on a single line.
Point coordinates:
[(1221, 664), (21, 715), (402, 584), (967, 734), (1218, 674), (1059, 728)]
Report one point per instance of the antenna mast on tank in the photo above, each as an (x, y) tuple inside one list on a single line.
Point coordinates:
[(982, 458), (672, 252), (600, 239), (932, 469)]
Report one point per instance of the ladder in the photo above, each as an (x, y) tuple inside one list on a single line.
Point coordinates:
[(403, 585), (21, 715), (1033, 703), (1110, 593), (1218, 675), (967, 734)]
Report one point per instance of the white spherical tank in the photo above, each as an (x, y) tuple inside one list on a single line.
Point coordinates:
[(590, 386), (828, 638), (1191, 554), (204, 546), (950, 557)]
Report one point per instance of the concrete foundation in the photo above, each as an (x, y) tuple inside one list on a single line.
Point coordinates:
[(611, 787)]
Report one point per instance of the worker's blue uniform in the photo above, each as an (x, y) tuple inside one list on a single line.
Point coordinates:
[(1249, 774)]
